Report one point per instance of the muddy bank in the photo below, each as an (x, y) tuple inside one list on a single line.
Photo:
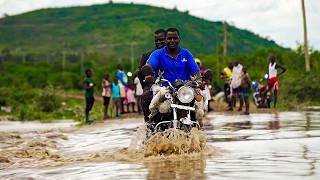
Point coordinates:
[(8, 118)]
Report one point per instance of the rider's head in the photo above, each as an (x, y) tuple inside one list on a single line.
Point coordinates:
[(272, 58), (172, 38), (160, 38)]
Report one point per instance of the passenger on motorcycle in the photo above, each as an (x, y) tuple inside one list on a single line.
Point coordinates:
[(159, 42)]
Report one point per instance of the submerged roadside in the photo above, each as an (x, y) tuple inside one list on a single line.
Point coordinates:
[(51, 104)]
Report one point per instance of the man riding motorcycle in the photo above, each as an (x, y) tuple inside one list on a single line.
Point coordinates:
[(175, 63)]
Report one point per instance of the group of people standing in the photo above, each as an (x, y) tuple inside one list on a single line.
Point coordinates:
[(176, 63), (119, 93), (237, 83)]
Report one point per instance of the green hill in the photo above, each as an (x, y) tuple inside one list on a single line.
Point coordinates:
[(47, 50), (112, 28)]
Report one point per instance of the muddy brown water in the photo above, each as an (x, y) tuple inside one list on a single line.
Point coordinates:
[(282, 145)]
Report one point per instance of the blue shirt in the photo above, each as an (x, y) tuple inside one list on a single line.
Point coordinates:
[(115, 91), (182, 67), (122, 77)]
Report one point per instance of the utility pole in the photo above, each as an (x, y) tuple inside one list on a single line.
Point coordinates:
[(306, 49), (48, 58), (63, 60), (23, 57), (81, 62), (132, 56), (225, 40)]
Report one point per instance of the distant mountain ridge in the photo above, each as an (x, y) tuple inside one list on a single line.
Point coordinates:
[(117, 30)]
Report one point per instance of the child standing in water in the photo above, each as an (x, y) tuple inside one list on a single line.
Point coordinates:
[(88, 86), (246, 88), (106, 94), (115, 93)]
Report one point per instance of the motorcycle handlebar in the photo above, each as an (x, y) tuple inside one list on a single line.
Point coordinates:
[(193, 84), (164, 80)]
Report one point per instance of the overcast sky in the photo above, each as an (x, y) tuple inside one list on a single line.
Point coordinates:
[(280, 20)]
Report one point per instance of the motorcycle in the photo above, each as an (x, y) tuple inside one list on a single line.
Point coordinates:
[(262, 97), (178, 106)]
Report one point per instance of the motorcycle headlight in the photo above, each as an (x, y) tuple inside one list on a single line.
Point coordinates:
[(185, 94)]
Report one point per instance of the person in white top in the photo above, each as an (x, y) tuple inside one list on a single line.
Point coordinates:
[(139, 92), (236, 90), (273, 76)]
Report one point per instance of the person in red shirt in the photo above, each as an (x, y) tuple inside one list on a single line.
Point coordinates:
[(273, 76)]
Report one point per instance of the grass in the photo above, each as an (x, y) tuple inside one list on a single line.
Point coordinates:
[(311, 103)]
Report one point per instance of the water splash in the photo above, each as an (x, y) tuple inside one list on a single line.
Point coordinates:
[(174, 141), (171, 145), (137, 140), (41, 149), (170, 141)]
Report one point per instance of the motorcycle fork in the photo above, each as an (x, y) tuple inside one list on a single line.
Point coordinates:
[(175, 119)]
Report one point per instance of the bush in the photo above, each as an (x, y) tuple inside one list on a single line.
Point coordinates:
[(23, 113), (305, 87), (48, 101)]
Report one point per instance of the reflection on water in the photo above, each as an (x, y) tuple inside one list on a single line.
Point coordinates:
[(260, 146), (180, 169)]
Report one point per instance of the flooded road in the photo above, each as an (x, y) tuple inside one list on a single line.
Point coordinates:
[(282, 145)]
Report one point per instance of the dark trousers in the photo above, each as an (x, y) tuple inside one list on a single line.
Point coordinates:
[(89, 103), (146, 98), (226, 89), (106, 101), (139, 104)]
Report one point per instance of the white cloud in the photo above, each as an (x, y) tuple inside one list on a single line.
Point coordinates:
[(281, 20)]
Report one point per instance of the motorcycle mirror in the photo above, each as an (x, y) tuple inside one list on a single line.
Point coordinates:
[(146, 70), (207, 74)]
